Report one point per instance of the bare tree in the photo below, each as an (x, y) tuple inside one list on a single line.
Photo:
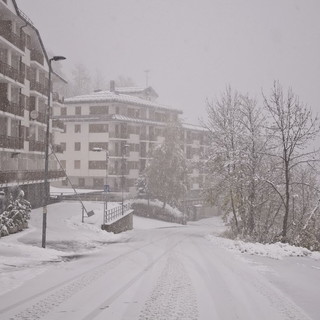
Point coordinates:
[(292, 127), (81, 81)]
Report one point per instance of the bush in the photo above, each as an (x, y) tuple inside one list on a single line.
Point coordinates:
[(16, 214)]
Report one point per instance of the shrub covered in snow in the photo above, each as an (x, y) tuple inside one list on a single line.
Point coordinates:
[(16, 214), (154, 209)]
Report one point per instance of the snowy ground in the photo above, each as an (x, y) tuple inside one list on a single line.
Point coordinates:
[(159, 270)]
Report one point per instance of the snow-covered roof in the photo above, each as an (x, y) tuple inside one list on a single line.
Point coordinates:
[(108, 96), (129, 89)]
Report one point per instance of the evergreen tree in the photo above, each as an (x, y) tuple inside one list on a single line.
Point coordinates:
[(166, 172)]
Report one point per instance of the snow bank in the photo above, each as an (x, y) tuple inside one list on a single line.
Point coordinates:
[(274, 250)]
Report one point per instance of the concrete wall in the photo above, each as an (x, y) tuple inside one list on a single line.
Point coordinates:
[(123, 224)]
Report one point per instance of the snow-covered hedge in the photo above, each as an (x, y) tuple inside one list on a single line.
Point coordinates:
[(154, 209), (15, 216)]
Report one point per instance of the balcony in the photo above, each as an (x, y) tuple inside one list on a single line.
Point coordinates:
[(37, 56), (39, 87), (13, 38), (118, 135), (36, 146), (11, 107), (11, 72), (11, 142), (56, 123), (27, 176)]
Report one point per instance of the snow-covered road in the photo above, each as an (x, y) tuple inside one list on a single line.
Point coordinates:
[(157, 271)]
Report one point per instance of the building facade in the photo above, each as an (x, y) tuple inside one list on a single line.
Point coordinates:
[(124, 125), (24, 69)]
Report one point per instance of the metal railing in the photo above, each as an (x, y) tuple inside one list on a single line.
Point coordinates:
[(11, 72), (11, 107), (36, 146), (11, 142), (117, 212), (37, 56), (13, 38), (39, 87)]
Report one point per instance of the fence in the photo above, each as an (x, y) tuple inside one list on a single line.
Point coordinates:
[(117, 212)]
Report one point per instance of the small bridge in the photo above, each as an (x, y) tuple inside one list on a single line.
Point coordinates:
[(118, 219)]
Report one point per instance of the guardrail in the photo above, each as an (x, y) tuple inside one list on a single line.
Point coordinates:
[(117, 212)]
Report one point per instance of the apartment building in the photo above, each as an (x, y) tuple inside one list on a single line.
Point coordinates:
[(124, 124), (24, 69)]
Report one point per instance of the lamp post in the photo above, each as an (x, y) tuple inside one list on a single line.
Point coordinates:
[(105, 207), (46, 157), (123, 151)]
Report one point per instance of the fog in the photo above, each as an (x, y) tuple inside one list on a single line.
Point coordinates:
[(193, 49)]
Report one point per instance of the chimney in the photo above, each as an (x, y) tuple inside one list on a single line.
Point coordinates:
[(112, 86)]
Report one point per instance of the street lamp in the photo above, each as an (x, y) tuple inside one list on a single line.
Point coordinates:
[(46, 157), (123, 151), (106, 187)]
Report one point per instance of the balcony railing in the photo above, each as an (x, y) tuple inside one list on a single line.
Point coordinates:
[(39, 87), (11, 142), (56, 123), (13, 38), (37, 56), (11, 72), (11, 107), (36, 146), (26, 176)]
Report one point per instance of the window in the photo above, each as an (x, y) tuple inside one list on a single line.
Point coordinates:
[(97, 165), (98, 127), (117, 110), (63, 164), (81, 182), (64, 128), (78, 110), (65, 182), (63, 146), (77, 128), (63, 111), (77, 146), (98, 182), (99, 110), (77, 164)]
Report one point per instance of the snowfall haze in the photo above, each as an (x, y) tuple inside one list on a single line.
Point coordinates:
[(193, 49)]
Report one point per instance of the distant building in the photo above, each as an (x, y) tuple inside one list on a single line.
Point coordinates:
[(23, 102), (109, 121)]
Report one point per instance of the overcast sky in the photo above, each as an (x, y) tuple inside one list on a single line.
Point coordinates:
[(193, 48)]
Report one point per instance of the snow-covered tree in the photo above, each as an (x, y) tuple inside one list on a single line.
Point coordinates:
[(81, 81), (292, 128), (166, 172)]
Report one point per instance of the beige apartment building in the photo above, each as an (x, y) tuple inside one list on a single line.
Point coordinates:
[(124, 124), (24, 69)]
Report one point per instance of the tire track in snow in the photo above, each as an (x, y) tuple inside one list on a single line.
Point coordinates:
[(173, 297), (58, 294)]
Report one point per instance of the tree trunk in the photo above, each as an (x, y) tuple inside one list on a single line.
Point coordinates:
[(286, 213)]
